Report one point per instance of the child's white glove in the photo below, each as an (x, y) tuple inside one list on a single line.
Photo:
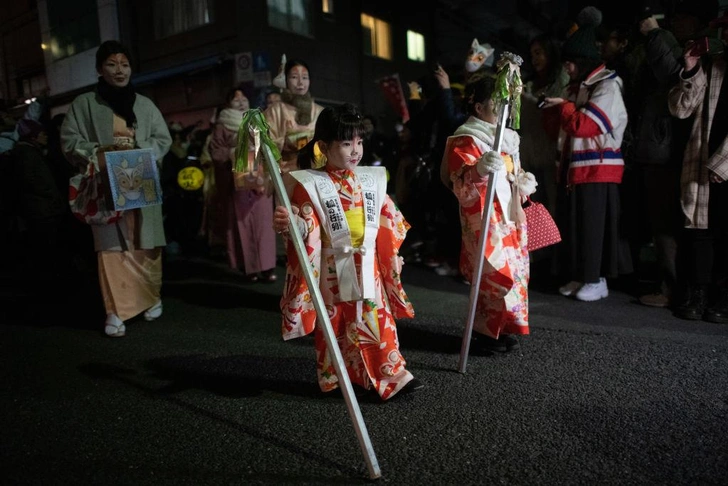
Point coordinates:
[(526, 183), (489, 162)]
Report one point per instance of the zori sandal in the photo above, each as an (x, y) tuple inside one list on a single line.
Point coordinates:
[(114, 326)]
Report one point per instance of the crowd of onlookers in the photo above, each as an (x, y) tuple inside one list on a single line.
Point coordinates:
[(674, 150)]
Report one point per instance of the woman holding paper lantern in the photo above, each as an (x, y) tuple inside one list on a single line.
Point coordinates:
[(129, 251)]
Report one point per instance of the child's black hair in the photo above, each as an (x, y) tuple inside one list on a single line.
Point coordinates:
[(478, 90), (343, 122)]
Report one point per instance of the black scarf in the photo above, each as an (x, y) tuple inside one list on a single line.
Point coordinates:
[(121, 100)]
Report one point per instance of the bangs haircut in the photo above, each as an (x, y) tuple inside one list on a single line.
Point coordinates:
[(341, 123), (109, 48), (293, 63)]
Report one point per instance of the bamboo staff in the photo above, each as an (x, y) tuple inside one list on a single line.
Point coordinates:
[(254, 126), (507, 97)]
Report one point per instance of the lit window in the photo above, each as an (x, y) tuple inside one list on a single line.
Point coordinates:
[(377, 38), (175, 16), (290, 15), (415, 46), (327, 6)]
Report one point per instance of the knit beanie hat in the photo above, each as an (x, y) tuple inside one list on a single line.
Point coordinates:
[(582, 44)]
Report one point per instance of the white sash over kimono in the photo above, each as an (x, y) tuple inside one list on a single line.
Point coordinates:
[(353, 285)]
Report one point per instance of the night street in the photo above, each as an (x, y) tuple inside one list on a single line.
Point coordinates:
[(609, 392)]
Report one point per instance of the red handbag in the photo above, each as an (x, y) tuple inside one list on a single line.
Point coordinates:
[(540, 226)]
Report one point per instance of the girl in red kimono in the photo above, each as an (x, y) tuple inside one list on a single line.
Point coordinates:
[(352, 232), (469, 161)]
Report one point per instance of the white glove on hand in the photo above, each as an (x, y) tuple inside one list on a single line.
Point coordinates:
[(526, 183), (489, 162)]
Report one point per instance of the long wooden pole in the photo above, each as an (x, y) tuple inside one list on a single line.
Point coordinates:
[(322, 318)]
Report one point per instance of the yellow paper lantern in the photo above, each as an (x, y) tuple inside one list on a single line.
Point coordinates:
[(190, 178)]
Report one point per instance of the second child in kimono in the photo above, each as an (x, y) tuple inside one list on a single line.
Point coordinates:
[(501, 311), (352, 232)]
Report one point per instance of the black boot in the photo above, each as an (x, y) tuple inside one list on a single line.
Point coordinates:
[(718, 312), (694, 306)]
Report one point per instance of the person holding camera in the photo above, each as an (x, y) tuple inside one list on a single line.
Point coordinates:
[(592, 119), (701, 94)]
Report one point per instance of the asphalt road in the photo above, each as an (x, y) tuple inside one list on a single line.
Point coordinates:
[(604, 393)]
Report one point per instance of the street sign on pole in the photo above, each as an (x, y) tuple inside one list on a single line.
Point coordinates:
[(243, 67)]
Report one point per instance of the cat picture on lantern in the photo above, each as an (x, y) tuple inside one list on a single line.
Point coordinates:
[(133, 178)]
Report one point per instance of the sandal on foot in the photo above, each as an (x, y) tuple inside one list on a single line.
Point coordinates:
[(153, 312), (114, 327)]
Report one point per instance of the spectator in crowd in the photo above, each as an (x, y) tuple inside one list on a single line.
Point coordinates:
[(182, 209), (538, 150), (377, 147), (407, 192), (592, 121), (214, 222), (432, 121), (272, 96), (656, 145), (115, 117), (42, 208), (293, 119), (701, 93), (250, 239)]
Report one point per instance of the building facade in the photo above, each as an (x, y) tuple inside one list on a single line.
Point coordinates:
[(188, 53)]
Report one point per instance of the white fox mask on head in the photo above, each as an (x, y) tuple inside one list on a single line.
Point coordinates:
[(280, 80), (477, 56)]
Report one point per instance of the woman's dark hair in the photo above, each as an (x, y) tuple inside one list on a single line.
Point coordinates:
[(293, 63), (478, 90), (585, 67), (550, 46), (231, 94), (343, 122), (109, 48)]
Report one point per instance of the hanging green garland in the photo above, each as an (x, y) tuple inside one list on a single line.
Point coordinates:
[(255, 127), (509, 86)]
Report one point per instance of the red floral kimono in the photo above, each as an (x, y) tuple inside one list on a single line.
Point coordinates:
[(502, 302), (353, 247)]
